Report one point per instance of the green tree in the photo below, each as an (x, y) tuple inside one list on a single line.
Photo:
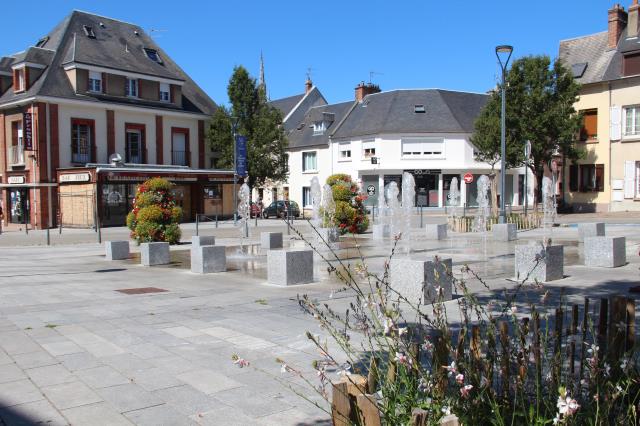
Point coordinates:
[(260, 122), (539, 108)]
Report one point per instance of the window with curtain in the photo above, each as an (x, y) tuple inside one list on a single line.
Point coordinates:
[(368, 149), (631, 125), (589, 131), (309, 161)]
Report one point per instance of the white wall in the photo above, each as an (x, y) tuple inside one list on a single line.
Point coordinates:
[(65, 114), (298, 178)]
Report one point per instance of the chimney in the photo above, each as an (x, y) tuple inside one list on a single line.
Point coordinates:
[(617, 22), (363, 90), (632, 27), (308, 85)]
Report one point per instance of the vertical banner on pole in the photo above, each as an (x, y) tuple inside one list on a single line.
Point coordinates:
[(27, 127), (241, 155)]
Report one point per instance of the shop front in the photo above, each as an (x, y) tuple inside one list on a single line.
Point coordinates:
[(110, 191)]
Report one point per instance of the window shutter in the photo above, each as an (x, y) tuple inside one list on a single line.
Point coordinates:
[(629, 178), (615, 128)]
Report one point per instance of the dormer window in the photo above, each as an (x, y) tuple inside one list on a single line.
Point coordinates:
[(95, 82), (165, 92), (153, 55), (319, 128), (419, 109), (19, 80), (88, 31), (42, 41), (131, 88)]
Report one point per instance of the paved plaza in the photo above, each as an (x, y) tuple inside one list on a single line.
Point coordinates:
[(76, 350)]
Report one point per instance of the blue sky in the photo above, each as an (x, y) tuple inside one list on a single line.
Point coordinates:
[(409, 44)]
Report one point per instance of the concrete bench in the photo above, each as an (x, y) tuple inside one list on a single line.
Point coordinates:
[(271, 240), (436, 231), (289, 267), (154, 254), (116, 250), (504, 231), (605, 252), (208, 259), (591, 229), (535, 262), (416, 280), (202, 240)]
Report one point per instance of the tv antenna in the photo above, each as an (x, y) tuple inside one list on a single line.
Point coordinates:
[(155, 32), (309, 69), (372, 73)]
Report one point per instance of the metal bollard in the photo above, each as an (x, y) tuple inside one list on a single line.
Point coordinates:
[(420, 216), (216, 221), (256, 220), (373, 214), (48, 238), (197, 224)]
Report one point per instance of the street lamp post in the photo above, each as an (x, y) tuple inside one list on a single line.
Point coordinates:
[(234, 128), (503, 50)]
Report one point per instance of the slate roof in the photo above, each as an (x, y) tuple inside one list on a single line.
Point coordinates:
[(592, 55), (116, 45), (393, 112), (285, 105), (302, 135)]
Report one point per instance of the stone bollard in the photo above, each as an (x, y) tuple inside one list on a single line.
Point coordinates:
[(154, 254), (329, 235), (289, 267), (197, 241), (436, 231), (381, 231), (208, 259), (116, 250), (605, 252), (534, 262), (504, 231), (271, 240), (416, 280), (591, 229)]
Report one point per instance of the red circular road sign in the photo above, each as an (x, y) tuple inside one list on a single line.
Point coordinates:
[(468, 178)]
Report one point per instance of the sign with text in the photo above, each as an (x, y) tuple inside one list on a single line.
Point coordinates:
[(75, 177), (27, 127), (241, 155), (16, 180)]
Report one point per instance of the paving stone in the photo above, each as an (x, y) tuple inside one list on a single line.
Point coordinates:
[(129, 397), (5, 358), (79, 361), (158, 415), (126, 363), (96, 414), (187, 400), (182, 332), (252, 403), (208, 381), (228, 416), (32, 413), (154, 378), (174, 364), (50, 375), (101, 377), (148, 350), (34, 359), (293, 416), (16, 342), (68, 395), (11, 373), (20, 392), (62, 348)]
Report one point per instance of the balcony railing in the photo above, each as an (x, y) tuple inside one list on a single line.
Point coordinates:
[(16, 155), (180, 158), (80, 157)]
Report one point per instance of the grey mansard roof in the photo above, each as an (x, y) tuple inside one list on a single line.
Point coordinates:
[(302, 135), (394, 112), (117, 45)]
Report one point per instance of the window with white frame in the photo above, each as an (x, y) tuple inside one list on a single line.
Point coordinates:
[(309, 161), (165, 95), (345, 151), (637, 194), (318, 128), (95, 81), (131, 87), (631, 117), (306, 196), (423, 147), (368, 149), (20, 82)]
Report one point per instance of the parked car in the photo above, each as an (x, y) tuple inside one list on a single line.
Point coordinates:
[(254, 210), (280, 208)]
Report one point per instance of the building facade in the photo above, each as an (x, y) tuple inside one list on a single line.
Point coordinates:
[(96, 91), (607, 65)]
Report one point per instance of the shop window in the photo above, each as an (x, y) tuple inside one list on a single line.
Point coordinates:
[(309, 161), (591, 177), (589, 130), (82, 141)]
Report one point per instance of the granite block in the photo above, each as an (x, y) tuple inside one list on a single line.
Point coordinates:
[(154, 254), (533, 262), (202, 240), (590, 229), (436, 231), (605, 252), (416, 280), (329, 235), (208, 259), (116, 250), (289, 267), (271, 240), (504, 231), (381, 231)]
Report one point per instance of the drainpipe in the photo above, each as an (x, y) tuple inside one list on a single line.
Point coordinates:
[(610, 163)]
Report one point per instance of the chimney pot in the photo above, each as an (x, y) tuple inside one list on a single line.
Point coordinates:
[(617, 23), (633, 22), (363, 90), (308, 85)]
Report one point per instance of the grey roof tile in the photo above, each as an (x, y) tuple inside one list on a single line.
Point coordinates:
[(302, 135), (285, 105), (591, 50)]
